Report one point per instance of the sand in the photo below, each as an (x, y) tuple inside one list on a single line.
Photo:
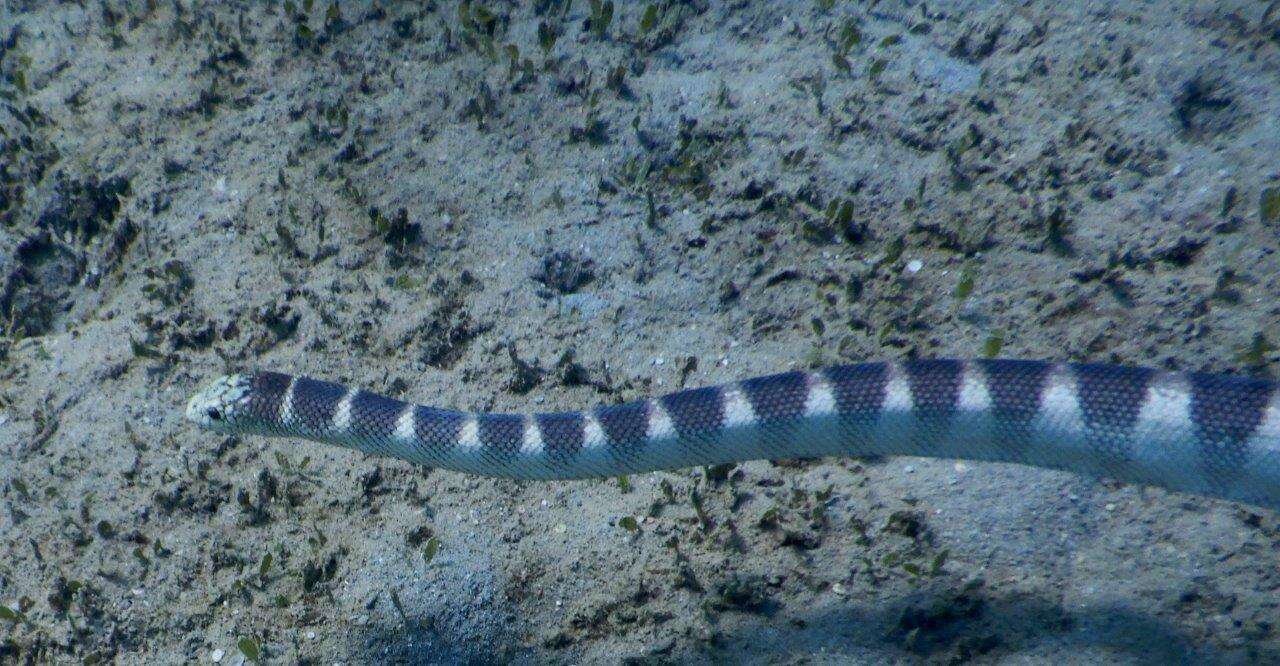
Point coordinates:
[(455, 207)]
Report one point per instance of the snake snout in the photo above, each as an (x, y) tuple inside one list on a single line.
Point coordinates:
[(215, 406)]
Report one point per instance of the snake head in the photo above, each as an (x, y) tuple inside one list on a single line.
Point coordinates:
[(221, 403)]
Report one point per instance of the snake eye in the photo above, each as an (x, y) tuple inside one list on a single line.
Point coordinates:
[(214, 413)]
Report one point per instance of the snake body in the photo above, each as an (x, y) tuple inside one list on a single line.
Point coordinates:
[(1210, 434)]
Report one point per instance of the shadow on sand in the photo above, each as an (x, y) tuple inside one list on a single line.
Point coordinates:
[(926, 627)]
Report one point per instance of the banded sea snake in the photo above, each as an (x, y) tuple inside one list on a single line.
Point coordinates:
[(1215, 435)]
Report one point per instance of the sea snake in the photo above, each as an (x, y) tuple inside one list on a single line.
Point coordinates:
[(1211, 434)]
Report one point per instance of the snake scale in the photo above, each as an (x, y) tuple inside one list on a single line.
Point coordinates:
[(1211, 434)]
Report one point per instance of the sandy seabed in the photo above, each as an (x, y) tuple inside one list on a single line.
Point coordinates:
[(540, 206)]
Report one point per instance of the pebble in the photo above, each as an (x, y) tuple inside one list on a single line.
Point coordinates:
[(914, 266), (217, 655), (311, 635)]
